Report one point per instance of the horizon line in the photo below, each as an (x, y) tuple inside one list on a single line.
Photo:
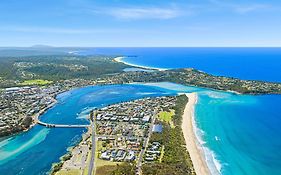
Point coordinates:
[(50, 46)]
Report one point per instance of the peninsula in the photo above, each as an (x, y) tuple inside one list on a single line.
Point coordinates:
[(143, 136)]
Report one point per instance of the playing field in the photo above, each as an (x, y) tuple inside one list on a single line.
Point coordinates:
[(166, 116), (35, 82)]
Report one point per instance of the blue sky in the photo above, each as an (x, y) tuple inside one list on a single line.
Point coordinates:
[(140, 23)]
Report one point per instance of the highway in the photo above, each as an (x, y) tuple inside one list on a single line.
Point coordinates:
[(93, 155)]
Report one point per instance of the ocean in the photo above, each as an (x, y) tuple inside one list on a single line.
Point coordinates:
[(244, 63), (240, 134)]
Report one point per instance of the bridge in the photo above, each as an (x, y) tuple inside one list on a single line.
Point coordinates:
[(50, 125)]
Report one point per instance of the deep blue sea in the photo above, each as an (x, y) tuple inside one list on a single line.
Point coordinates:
[(240, 134), (244, 63)]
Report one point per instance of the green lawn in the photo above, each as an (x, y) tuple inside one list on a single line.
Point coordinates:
[(88, 162), (100, 162), (162, 154), (69, 172), (35, 82), (166, 116)]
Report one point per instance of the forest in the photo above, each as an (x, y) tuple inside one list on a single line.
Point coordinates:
[(14, 70)]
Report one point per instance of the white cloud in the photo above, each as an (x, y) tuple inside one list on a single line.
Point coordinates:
[(143, 13), (241, 8), (250, 8)]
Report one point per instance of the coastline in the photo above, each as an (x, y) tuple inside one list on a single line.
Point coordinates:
[(196, 153), (120, 60), (77, 158), (35, 118)]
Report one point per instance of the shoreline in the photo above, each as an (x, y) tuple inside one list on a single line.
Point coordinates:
[(120, 60), (35, 118), (195, 151), (72, 163)]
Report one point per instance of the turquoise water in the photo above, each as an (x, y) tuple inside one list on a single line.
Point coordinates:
[(240, 134), (243, 132)]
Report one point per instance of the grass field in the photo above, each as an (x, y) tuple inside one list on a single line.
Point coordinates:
[(100, 162), (69, 172), (105, 170), (87, 163), (104, 167), (35, 82), (166, 116), (162, 153)]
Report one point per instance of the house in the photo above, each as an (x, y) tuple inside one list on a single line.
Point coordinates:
[(120, 155), (149, 158), (146, 118), (130, 156), (105, 156), (157, 128)]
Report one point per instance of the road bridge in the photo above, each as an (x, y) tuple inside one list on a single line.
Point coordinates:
[(50, 125)]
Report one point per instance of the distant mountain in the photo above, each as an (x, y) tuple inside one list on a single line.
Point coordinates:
[(41, 46), (31, 51)]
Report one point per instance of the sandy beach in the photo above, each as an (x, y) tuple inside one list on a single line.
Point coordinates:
[(196, 153), (119, 59)]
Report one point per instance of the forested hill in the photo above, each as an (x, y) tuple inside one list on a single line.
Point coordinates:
[(56, 67), (40, 70)]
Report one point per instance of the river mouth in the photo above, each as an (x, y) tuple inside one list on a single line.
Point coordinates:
[(34, 151), (229, 126)]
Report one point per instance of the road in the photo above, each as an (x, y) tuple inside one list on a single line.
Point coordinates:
[(93, 155), (116, 136), (49, 125), (145, 144)]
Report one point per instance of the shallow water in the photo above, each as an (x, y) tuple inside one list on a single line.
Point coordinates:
[(240, 134)]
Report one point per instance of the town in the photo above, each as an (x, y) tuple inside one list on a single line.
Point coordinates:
[(20, 106), (123, 130), (122, 135)]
